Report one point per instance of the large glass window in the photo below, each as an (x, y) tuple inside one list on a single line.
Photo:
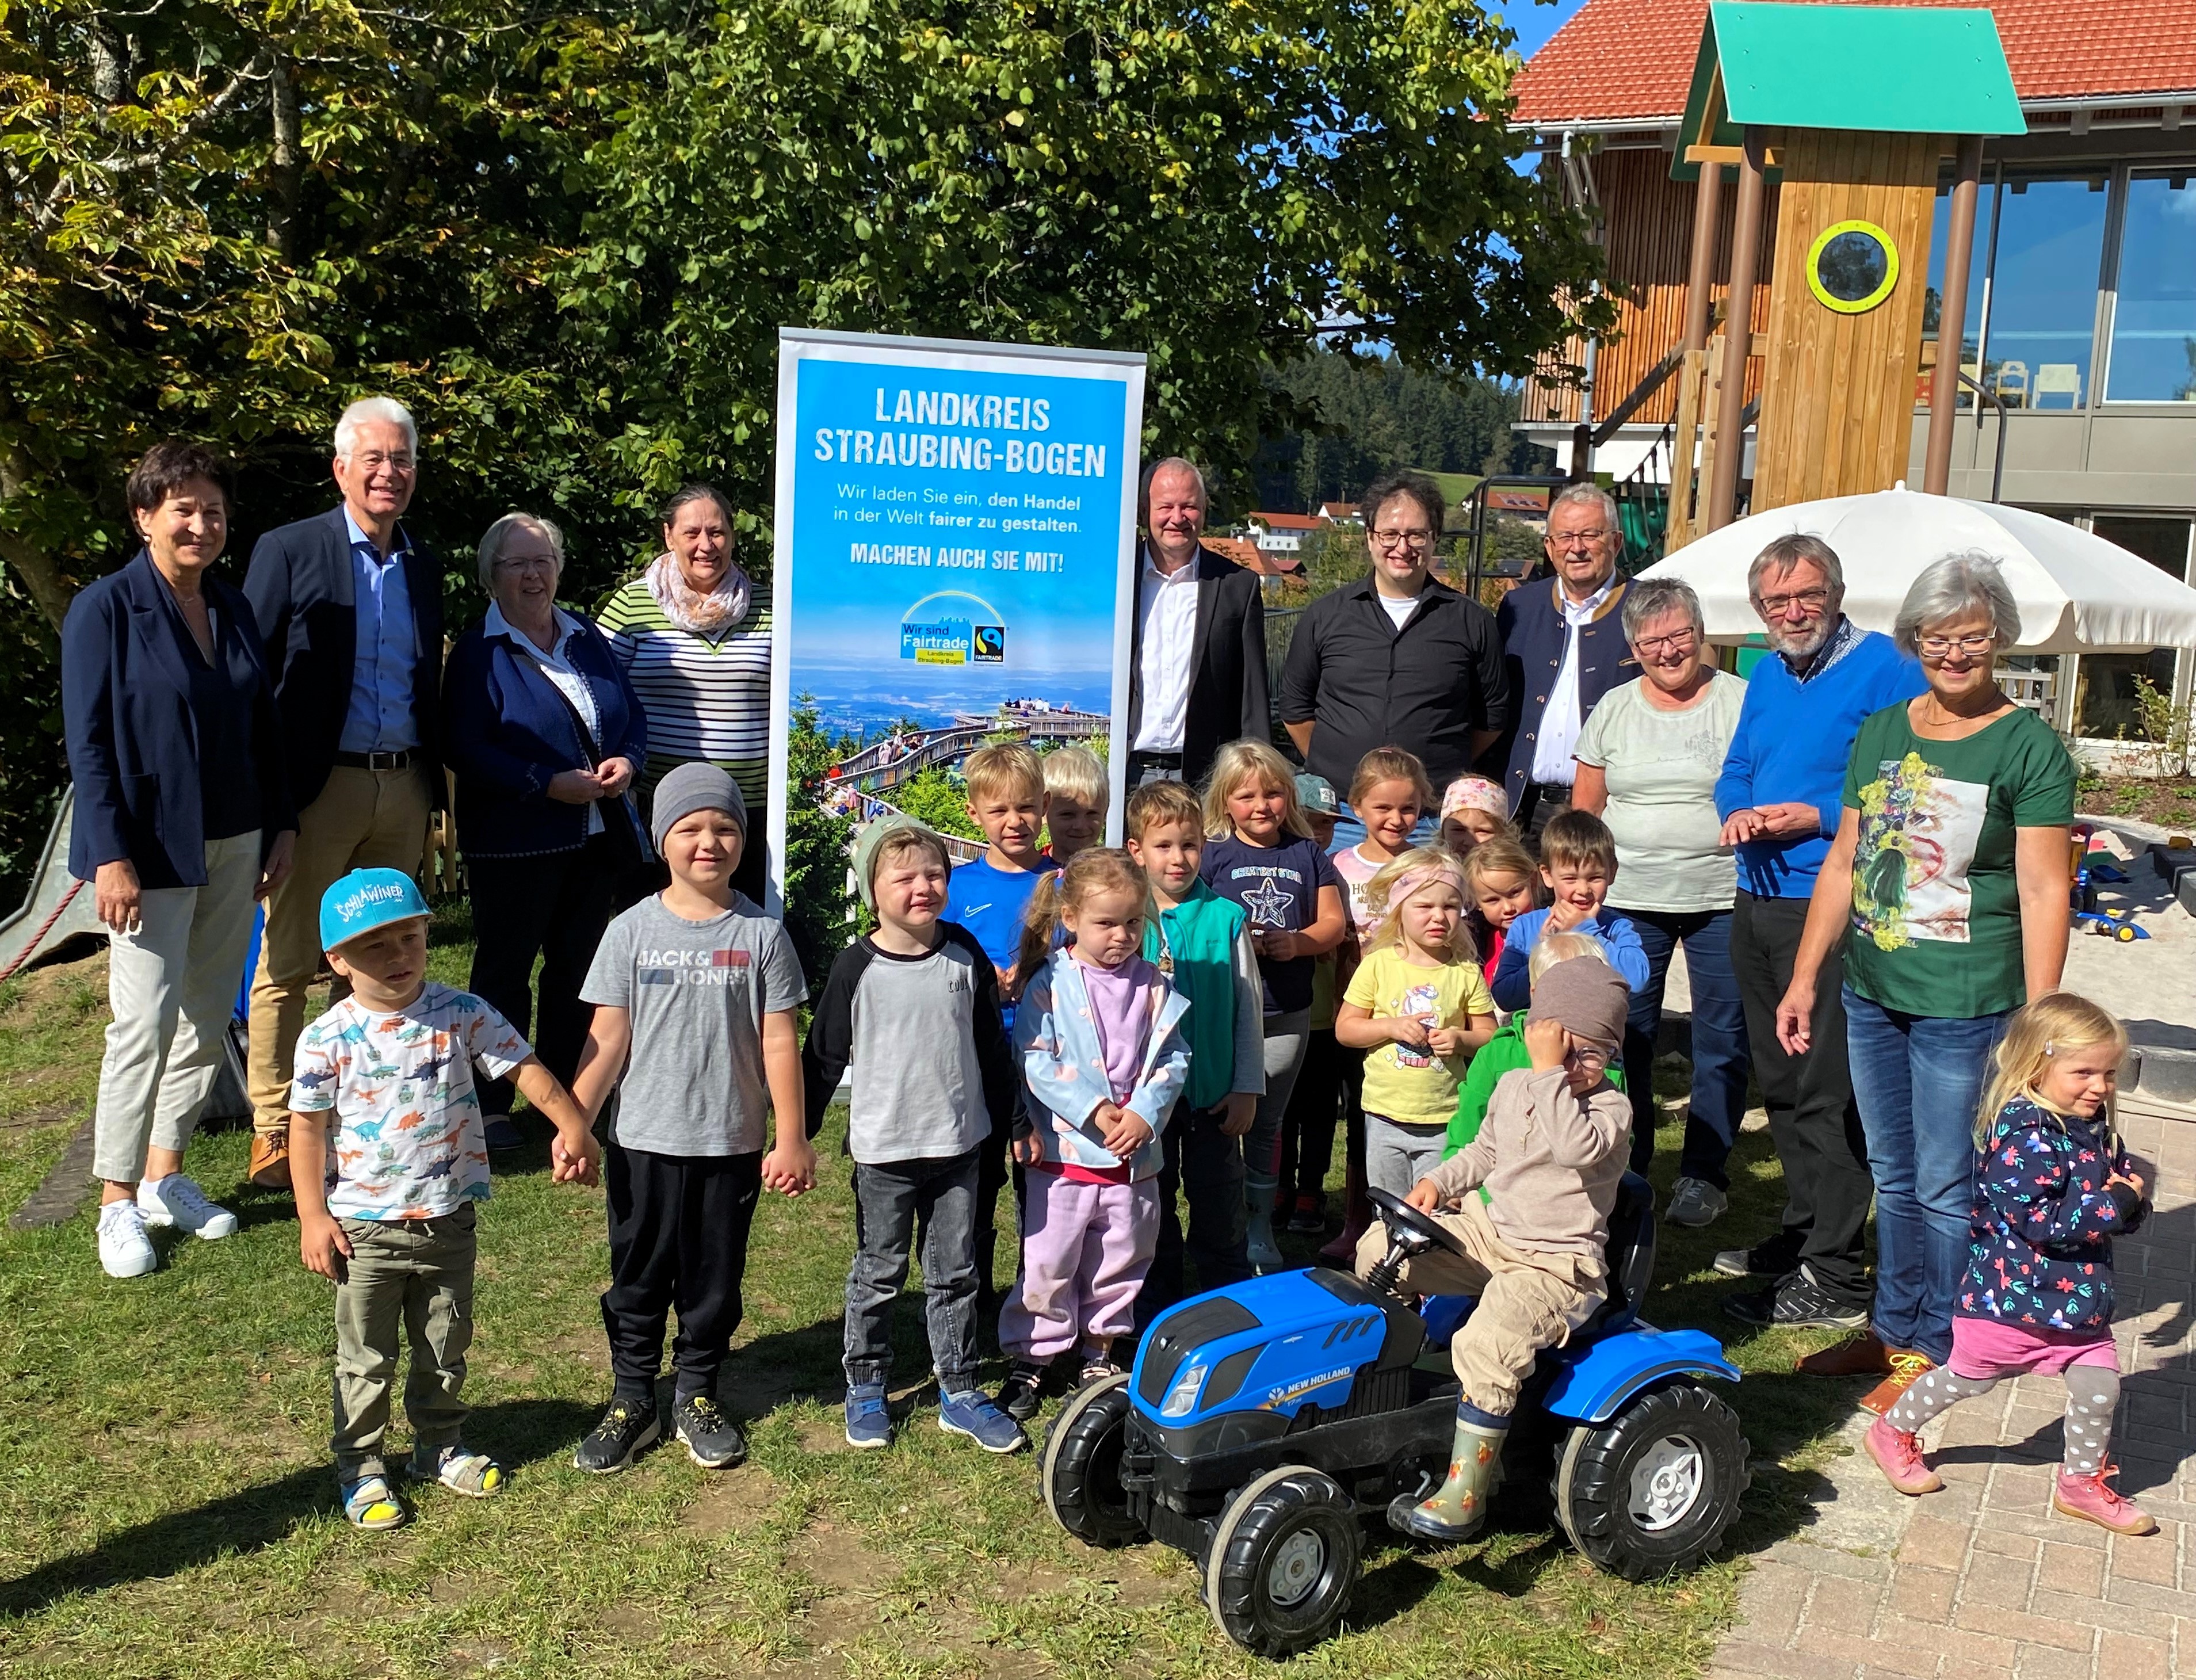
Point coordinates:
[(2154, 324), (1978, 267), (2110, 685), (2050, 237)]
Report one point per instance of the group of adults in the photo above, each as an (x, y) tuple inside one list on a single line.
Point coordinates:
[(232, 746), (1862, 850)]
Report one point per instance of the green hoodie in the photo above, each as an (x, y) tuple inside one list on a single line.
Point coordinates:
[(1203, 945)]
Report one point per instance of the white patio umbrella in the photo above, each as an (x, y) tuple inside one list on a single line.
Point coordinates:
[(2076, 592)]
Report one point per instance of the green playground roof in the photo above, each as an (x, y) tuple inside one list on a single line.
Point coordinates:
[(1878, 69)]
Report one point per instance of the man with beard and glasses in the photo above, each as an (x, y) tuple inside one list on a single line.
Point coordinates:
[(1779, 797)]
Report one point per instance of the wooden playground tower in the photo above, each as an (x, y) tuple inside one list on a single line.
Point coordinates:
[(1850, 107)]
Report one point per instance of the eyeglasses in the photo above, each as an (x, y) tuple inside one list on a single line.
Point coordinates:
[(1940, 647), (1590, 1061), (1776, 606), (1579, 539), (372, 460), (1676, 643), (1420, 538), (519, 564)]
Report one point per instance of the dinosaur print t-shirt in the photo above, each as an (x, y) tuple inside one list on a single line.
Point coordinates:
[(1936, 908), (406, 1143)]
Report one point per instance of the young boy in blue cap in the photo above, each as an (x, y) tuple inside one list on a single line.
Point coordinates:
[(386, 1190)]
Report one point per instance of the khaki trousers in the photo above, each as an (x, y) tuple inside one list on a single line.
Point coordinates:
[(1526, 1302), (415, 1274), (364, 819), (171, 986)]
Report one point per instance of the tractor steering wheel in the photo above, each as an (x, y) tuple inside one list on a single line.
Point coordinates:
[(1402, 1219)]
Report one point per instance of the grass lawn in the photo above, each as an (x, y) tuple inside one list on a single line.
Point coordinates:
[(166, 1505)]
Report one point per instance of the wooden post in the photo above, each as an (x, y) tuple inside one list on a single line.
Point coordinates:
[(1700, 274), (1739, 335), (1952, 317)]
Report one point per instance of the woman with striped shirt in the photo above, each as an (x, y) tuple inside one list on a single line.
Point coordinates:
[(692, 634)]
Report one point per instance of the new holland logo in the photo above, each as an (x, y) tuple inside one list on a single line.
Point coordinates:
[(1303, 1385)]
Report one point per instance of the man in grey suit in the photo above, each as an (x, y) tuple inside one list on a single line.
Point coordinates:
[(1197, 669)]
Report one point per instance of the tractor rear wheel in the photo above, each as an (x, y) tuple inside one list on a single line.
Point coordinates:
[(1653, 1488)]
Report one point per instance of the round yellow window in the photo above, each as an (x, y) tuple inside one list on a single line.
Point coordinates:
[(1852, 267)]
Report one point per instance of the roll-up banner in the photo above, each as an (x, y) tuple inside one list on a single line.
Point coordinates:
[(955, 537)]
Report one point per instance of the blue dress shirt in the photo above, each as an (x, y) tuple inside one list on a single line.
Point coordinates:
[(380, 717)]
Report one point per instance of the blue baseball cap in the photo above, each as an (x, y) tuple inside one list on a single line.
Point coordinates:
[(366, 899)]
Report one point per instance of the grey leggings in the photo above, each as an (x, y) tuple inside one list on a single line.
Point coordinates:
[(1286, 1036), (2092, 1395)]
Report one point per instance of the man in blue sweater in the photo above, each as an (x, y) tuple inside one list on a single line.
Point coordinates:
[(1779, 795)]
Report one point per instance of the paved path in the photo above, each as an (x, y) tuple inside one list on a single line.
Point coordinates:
[(1983, 1579)]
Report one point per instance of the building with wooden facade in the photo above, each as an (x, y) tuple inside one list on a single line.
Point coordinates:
[(2081, 309)]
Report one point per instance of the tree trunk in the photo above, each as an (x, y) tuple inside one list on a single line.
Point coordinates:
[(288, 163), (50, 587), (110, 62)]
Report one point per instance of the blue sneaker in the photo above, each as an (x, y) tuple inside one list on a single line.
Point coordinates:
[(971, 1413), (868, 1422)]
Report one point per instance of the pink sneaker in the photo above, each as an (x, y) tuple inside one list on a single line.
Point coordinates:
[(1898, 1454), (2088, 1498)]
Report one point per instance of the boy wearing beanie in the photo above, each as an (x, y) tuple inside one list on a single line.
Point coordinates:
[(1551, 1151), (914, 1009), (694, 990)]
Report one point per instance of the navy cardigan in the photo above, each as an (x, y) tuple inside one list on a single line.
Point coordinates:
[(133, 741), (1534, 632), (507, 731)]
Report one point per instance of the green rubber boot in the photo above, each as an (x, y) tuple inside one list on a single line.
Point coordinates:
[(1457, 1509)]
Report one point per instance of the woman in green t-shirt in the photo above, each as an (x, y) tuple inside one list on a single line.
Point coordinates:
[(1949, 869)]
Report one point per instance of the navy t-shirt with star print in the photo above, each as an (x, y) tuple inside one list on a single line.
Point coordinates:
[(1278, 887)]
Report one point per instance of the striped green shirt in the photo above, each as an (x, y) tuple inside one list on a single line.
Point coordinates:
[(706, 698)]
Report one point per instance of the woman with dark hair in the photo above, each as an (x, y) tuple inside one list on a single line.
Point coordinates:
[(1397, 659), (692, 635), (183, 819), (544, 734)]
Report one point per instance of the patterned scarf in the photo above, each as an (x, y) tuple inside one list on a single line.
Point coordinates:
[(699, 613)]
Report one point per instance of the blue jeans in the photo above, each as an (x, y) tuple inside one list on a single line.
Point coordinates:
[(1718, 1101), (1918, 1080)]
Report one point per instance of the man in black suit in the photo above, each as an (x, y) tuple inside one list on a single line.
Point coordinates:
[(1197, 676), (352, 610)]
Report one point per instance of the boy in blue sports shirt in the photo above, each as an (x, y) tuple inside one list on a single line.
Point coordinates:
[(1578, 862), (990, 897)]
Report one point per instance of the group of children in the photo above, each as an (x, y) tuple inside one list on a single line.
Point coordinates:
[(1110, 1030)]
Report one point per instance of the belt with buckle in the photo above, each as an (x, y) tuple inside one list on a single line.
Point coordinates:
[(398, 760)]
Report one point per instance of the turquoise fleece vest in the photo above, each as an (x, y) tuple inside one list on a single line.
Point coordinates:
[(1200, 940)]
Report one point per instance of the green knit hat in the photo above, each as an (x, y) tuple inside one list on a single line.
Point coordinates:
[(872, 841)]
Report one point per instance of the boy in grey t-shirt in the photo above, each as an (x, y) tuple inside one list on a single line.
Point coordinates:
[(913, 1009), (695, 991)]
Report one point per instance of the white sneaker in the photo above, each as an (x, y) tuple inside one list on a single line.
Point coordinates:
[(1695, 1202), (124, 1250), (177, 1201)]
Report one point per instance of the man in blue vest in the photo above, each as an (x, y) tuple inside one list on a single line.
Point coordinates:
[(1563, 642)]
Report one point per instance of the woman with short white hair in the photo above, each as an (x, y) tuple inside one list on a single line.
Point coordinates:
[(544, 735), (1948, 883)]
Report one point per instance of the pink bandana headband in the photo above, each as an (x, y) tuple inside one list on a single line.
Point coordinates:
[(1474, 793), (1417, 881)]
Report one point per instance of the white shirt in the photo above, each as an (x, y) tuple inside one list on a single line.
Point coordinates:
[(1552, 751), (1399, 607), (1166, 607), (558, 670)]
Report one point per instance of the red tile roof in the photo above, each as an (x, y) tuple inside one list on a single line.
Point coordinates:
[(1252, 558), (1290, 522), (1627, 60)]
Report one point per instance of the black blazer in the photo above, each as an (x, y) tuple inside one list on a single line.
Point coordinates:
[(133, 740), (1227, 663), (301, 587), (1533, 633)]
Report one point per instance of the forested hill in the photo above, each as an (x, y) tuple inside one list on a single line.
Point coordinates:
[(1383, 416)]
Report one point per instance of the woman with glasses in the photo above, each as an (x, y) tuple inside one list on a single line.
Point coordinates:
[(544, 733), (1647, 765), (1950, 869)]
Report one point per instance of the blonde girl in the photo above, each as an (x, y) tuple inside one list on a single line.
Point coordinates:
[(2053, 1186), (1474, 811), (1501, 882), (1103, 1058), (1261, 856), (1418, 1006)]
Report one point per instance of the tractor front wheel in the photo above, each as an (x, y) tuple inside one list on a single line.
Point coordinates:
[(1284, 1562), (1081, 1469)]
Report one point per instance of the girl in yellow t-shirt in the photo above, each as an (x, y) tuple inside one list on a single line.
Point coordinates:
[(1419, 1005)]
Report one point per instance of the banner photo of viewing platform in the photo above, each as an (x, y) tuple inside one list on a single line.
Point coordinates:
[(956, 536)]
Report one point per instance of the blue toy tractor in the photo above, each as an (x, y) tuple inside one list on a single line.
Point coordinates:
[(1262, 1424)]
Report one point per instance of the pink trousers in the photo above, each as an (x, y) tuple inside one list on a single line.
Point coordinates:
[(1085, 1249)]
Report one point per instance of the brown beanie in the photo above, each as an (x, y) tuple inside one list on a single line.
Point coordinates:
[(1586, 996)]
